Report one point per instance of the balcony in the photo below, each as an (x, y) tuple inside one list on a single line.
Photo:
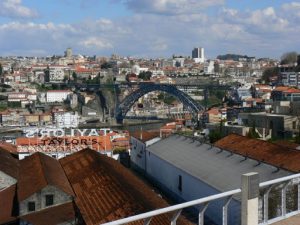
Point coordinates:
[(255, 200)]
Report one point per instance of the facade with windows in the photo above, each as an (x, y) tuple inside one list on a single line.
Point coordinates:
[(58, 95), (66, 119), (42, 186), (281, 126), (290, 79), (185, 170), (47, 197)]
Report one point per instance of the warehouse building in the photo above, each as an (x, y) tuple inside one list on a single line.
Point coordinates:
[(186, 170)]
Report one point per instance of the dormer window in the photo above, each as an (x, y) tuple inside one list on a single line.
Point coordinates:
[(31, 206), (49, 200)]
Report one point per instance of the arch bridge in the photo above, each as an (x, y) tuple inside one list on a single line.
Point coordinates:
[(144, 88)]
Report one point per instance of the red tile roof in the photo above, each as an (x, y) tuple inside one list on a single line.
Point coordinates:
[(6, 206), (281, 88), (273, 154), (9, 164), (38, 171), (292, 90), (145, 135), (213, 111), (107, 191), (51, 216), (258, 100), (287, 89)]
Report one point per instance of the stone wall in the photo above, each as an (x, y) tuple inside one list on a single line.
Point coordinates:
[(39, 198), (6, 180)]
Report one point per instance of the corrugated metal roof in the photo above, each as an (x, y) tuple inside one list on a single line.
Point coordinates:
[(218, 168)]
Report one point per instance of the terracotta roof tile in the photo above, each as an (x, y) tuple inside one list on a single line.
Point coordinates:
[(273, 154), (281, 88), (9, 164), (214, 111), (38, 171), (107, 191), (51, 216), (145, 135), (7, 197)]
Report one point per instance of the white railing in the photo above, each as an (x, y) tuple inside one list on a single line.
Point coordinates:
[(281, 183), (177, 209)]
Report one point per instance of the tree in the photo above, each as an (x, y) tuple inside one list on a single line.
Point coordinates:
[(289, 58), (1, 70), (297, 69), (214, 136), (297, 139), (145, 75), (270, 72), (252, 132), (74, 75), (106, 65), (166, 98), (65, 78)]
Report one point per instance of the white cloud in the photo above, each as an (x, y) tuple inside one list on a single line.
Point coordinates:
[(292, 11), (262, 32), (258, 21), (171, 7), (96, 42), (15, 9), (291, 6)]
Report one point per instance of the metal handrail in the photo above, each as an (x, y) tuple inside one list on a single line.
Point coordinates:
[(279, 180), (174, 208), (206, 200)]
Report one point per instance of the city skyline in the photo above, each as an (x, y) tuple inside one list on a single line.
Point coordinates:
[(144, 28)]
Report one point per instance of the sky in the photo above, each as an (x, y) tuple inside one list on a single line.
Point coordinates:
[(149, 28)]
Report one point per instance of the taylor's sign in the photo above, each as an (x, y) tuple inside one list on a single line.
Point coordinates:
[(70, 142), (52, 132)]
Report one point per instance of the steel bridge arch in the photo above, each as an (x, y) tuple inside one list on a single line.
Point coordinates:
[(144, 88)]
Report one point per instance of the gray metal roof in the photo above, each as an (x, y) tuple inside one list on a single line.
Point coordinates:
[(219, 169)]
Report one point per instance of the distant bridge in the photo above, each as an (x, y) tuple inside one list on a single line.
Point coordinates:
[(145, 87), (93, 87)]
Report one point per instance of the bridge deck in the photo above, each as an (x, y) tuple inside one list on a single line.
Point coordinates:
[(294, 220)]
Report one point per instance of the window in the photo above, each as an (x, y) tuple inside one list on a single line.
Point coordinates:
[(31, 206), (294, 124), (49, 200), (179, 182)]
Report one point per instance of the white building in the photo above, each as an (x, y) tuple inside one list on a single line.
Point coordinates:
[(187, 169), (66, 119), (209, 67), (57, 95), (56, 73), (290, 78), (244, 92), (198, 55), (178, 61), (68, 53)]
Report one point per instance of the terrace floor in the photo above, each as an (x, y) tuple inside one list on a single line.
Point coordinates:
[(294, 220)]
